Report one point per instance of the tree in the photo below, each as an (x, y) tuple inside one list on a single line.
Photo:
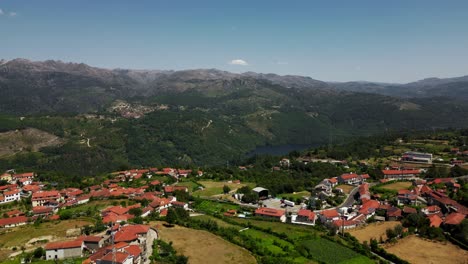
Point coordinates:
[(135, 211), (171, 216), (65, 214), (226, 189), (39, 252), (390, 233)]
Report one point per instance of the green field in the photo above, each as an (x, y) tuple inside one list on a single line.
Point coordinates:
[(295, 232), (327, 251), (212, 207), (294, 195)]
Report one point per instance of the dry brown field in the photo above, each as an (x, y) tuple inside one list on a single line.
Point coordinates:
[(346, 188), (373, 230), (203, 247), (417, 250), (397, 186)]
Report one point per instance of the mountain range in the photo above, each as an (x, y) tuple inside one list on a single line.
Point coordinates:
[(207, 116)]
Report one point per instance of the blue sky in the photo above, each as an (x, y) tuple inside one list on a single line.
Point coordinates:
[(388, 41)]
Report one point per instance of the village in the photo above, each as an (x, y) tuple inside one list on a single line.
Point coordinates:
[(343, 203)]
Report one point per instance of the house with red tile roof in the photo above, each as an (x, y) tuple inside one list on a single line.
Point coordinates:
[(118, 258), (13, 221), (11, 195), (14, 212), (369, 207), (64, 249), (305, 216), (409, 210), (394, 214), (342, 224), (271, 213), (435, 220), (350, 178), (171, 189), (45, 197), (454, 219), (42, 210), (180, 204), (430, 210), (92, 242), (328, 216), (135, 252)]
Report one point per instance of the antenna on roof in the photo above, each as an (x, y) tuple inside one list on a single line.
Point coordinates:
[(113, 245)]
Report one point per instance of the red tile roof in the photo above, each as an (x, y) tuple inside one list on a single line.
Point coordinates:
[(133, 250), (125, 236), (330, 213), (120, 257), (137, 229), (42, 210), (306, 213), (435, 220), (454, 219), (341, 222), (409, 210), (64, 244), (13, 220), (269, 212), (349, 176)]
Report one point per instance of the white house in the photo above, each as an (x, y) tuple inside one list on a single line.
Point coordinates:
[(64, 249)]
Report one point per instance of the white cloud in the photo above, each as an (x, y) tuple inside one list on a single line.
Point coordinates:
[(238, 62), (1, 12), (13, 14)]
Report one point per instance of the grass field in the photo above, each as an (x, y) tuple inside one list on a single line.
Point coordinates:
[(420, 251), (346, 188), (189, 184), (327, 251), (220, 222), (215, 207), (19, 236), (216, 188), (373, 230), (294, 195), (295, 232), (396, 186), (204, 247)]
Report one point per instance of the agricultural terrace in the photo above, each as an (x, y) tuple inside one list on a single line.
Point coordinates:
[(330, 252), (346, 188), (212, 188), (417, 250), (203, 247), (295, 232), (396, 186), (373, 231)]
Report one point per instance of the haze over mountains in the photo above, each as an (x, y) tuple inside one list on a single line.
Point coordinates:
[(208, 116)]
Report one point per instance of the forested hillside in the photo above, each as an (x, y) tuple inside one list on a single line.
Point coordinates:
[(189, 118)]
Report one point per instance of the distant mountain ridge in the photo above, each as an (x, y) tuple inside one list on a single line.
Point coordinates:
[(205, 116)]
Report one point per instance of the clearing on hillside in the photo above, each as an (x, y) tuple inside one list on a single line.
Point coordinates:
[(216, 188), (417, 250), (373, 230), (203, 247), (29, 139), (396, 186)]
